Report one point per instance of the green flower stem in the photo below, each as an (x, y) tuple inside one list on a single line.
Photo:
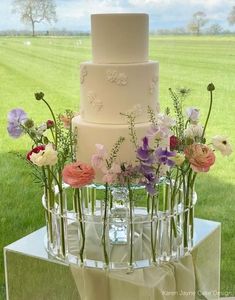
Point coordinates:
[(173, 196), (187, 207), (50, 201), (61, 205), (75, 206), (106, 258), (79, 211), (166, 196), (48, 213), (208, 115), (131, 221), (71, 142), (148, 202), (54, 119), (93, 199), (53, 135), (152, 231), (191, 211)]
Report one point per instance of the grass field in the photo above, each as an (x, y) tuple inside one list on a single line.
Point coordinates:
[(52, 65)]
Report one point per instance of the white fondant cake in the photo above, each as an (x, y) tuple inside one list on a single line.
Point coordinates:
[(119, 80), (119, 38)]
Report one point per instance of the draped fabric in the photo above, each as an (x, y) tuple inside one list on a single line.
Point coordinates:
[(194, 276)]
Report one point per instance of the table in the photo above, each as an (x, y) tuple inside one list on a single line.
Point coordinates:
[(31, 274)]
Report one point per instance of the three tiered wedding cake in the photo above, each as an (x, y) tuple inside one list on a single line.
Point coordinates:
[(120, 80)]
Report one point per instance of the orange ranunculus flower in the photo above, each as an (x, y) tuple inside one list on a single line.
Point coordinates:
[(200, 156), (78, 174)]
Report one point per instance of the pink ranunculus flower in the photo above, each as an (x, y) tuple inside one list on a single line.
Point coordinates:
[(78, 174), (200, 156), (99, 157)]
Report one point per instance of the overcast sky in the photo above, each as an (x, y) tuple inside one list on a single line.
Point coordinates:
[(75, 14)]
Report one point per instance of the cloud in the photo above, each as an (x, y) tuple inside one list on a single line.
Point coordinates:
[(75, 14)]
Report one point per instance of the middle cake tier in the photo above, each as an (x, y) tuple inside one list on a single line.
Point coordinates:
[(109, 90), (90, 134)]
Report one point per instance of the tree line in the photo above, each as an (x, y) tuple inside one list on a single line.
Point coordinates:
[(33, 12)]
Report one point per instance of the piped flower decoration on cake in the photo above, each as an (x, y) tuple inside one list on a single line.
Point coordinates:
[(114, 77), (94, 101), (83, 74), (78, 174), (153, 84), (137, 110)]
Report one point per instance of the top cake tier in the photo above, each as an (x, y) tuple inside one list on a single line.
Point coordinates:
[(119, 38)]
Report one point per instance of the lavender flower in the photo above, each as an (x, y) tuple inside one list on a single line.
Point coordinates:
[(163, 156), (16, 118)]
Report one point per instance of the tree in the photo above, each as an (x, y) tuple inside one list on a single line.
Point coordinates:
[(199, 20), (215, 29), (231, 16), (35, 11)]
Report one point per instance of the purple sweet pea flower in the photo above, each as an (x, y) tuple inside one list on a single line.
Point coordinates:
[(144, 153), (16, 117), (150, 182), (163, 156)]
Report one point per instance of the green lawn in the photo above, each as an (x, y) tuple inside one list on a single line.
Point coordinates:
[(52, 65)]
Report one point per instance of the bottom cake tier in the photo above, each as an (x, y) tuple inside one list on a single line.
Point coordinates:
[(90, 134)]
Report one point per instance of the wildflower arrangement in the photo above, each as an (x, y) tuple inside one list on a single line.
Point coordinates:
[(169, 158)]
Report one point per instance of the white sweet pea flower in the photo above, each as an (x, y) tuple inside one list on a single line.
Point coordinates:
[(221, 143), (98, 159), (193, 114), (193, 131), (110, 175), (165, 120), (41, 129), (47, 157), (178, 159)]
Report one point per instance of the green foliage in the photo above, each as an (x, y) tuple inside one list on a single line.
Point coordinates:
[(51, 65)]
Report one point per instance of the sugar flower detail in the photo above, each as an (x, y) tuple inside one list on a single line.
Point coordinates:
[(193, 131), (200, 157), (221, 144), (193, 114), (78, 174), (98, 159), (44, 157), (83, 74), (16, 118), (115, 77)]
